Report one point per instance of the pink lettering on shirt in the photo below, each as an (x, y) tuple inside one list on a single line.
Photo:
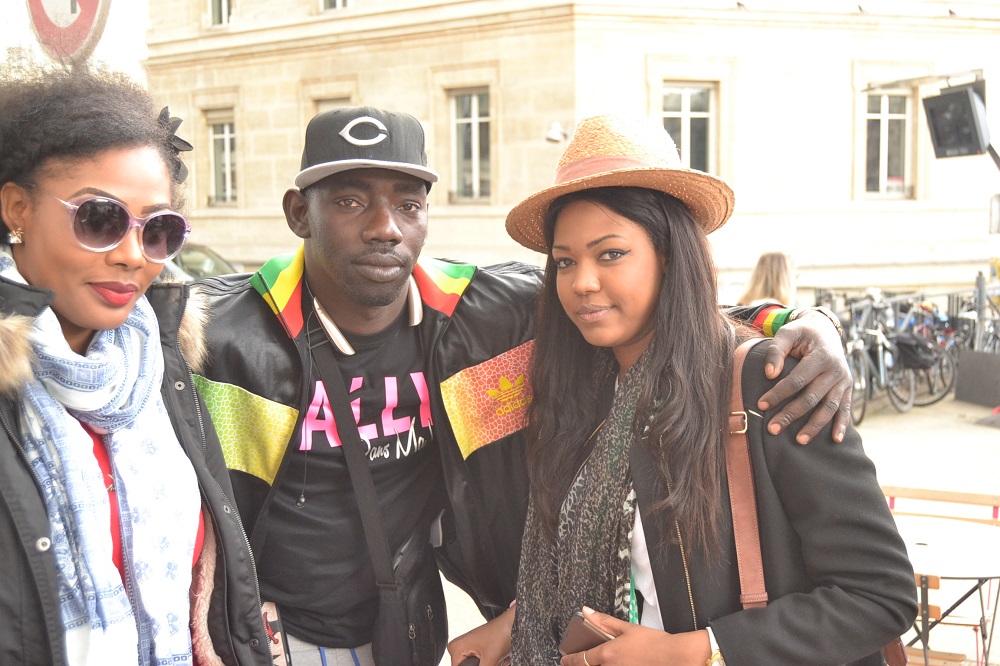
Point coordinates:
[(369, 431), (391, 425), (319, 416), (420, 383), (313, 422)]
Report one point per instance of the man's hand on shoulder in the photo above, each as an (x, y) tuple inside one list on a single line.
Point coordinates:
[(820, 383)]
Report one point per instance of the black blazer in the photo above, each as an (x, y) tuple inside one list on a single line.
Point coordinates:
[(838, 578)]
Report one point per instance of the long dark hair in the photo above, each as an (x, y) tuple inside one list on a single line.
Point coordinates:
[(52, 113), (685, 395)]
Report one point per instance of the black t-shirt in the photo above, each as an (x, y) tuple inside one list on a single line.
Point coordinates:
[(315, 563)]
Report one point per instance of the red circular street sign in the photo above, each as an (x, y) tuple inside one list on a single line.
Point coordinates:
[(68, 29)]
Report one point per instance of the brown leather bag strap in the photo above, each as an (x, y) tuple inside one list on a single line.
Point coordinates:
[(741, 491), (744, 505)]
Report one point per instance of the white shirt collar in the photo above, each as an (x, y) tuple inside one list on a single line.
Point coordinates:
[(415, 304)]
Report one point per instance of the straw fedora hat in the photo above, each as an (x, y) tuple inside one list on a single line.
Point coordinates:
[(622, 151)]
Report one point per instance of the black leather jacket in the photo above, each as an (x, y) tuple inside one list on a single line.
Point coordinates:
[(31, 632), (487, 332)]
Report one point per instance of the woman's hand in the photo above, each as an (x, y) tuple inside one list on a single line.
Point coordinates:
[(821, 379), (490, 642), (635, 645)]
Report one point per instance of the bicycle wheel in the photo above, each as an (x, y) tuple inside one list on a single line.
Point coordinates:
[(934, 383), (902, 387), (859, 396)]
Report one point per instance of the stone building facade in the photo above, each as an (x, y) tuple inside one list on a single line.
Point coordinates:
[(812, 111)]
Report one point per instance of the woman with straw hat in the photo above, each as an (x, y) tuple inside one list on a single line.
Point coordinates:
[(630, 513)]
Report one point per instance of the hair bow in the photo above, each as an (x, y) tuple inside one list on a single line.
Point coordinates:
[(180, 170)]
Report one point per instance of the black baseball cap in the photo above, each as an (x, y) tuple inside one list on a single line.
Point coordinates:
[(363, 137)]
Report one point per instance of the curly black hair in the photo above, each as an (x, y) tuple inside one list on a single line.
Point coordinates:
[(48, 113)]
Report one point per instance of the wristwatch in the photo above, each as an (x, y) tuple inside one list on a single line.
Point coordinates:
[(826, 312)]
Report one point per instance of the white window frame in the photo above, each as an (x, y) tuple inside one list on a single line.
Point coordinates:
[(225, 11), (474, 120), (685, 88), (905, 191), (225, 120)]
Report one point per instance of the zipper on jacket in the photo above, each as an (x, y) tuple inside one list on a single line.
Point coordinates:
[(687, 575), (684, 563)]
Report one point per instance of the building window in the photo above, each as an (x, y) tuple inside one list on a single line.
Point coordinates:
[(222, 11), (334, 4), (471, 122), (222, 136), (887, 146), (689, 117)]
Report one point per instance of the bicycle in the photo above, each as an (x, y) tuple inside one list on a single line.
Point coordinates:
[(932, 354), (874, 358)]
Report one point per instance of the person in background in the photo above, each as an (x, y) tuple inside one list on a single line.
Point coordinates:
[(433, 357), (772, 281), (629, 519), (119, 539)]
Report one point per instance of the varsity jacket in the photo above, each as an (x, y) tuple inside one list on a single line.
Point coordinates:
[(475, 332), (839, 583), (31, 632)]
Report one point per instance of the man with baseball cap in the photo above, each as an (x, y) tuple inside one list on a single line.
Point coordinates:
[(430, 356)]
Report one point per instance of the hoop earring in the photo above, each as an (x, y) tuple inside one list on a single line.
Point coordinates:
[(14, 236)]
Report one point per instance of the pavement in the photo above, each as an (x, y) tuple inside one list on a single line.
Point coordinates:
[(940, 447)]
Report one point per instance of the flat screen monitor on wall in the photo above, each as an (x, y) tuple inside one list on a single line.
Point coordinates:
[(957, 121)]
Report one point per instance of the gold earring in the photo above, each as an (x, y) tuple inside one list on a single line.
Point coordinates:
[(14, 236)]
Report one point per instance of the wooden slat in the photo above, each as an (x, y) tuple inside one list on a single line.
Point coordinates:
[(968, 519), (941, 495), (893, 493), (915, 655)]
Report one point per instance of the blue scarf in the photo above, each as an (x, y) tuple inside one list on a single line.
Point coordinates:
[(115, 390)]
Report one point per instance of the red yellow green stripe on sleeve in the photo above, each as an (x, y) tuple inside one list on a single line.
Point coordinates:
[(441, 283), (279, 281), (770, 319)]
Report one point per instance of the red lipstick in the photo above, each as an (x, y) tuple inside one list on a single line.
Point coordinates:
[(116, 294)]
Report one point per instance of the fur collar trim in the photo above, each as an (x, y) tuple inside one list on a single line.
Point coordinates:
[(192, 331), (16, 356)]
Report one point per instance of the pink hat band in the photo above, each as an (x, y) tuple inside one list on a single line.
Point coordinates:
[(590, 166)]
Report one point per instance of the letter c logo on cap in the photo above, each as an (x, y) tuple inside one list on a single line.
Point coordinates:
[(364, 120)]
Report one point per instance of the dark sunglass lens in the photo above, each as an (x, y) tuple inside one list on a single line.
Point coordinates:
[(100, 223), (164, 236)]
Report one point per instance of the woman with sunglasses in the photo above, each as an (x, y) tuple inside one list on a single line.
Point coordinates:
[(119, 542), (630, 520)]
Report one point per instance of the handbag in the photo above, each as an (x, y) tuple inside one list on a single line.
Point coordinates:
[(411, 628), (743, 501), (915, 351)]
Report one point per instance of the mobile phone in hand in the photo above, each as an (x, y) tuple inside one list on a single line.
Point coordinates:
[(581, 634)]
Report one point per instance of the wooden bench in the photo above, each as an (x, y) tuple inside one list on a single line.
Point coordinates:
[(892, 493)]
